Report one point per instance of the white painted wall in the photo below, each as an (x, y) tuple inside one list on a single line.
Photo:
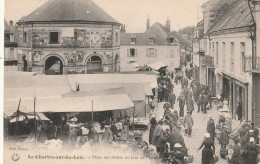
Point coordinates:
[(237, 72), (163, 55)]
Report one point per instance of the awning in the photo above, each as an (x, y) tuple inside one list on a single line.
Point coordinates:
[(36, 81), (19, 73), (75, 104), (100, 92), (157, 65), (111, 78), (39, 116), (136, 91), (30, 93)]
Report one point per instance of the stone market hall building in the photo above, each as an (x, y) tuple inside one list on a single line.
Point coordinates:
[(68, 36)]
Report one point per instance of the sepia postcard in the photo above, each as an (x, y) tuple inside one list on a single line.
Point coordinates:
[(131, 81)]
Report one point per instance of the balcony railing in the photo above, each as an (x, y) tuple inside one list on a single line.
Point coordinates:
[(209, 61), (249, 65)]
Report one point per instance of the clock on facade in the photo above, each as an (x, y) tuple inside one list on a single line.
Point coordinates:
[(94, 37)]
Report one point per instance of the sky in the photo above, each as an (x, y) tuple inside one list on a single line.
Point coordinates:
[(132, 13)]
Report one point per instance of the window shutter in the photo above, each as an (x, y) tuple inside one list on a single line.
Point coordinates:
[(155, 52), (136, 54), (147, 52), (128, 52)]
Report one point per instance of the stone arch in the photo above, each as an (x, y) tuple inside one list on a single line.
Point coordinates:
[(53, 64), (116, 62), (94, 63)]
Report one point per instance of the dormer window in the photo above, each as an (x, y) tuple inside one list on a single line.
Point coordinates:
[(11, 37), (151, 41), (133, 40), (171, 40)]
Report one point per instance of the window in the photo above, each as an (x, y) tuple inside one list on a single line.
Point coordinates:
[(116, 37), (205, 47), (25, 37), (12, 53), (132, 52), (151, 52), (54, 38), (151, 41), (210, 49), (242, 53), (223, 54), (11, 37), (171, 40), (231, 56), (217, 53), (133, 40)]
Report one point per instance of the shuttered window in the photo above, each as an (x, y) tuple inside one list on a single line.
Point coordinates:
[(151, 52)]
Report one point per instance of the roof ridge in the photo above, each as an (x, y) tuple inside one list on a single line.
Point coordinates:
[(233, 5)]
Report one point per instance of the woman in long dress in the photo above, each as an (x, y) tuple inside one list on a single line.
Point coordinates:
[(125, 129), (208, 150)]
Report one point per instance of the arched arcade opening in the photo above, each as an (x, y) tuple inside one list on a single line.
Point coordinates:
[(53, 66), (94, 64)]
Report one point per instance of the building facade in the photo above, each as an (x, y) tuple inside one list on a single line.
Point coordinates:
[(70, 39), (230, 46), (10, 43), (155, 44)]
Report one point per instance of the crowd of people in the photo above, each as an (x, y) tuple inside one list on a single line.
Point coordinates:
[(165, 134)]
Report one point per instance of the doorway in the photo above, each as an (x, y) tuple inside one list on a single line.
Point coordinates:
[(53, 66), (94, 64)]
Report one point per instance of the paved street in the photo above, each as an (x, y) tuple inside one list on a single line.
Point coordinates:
[(199, 128)]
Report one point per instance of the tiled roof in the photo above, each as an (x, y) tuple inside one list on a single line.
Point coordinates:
[(69, 10), (156, 30), (6, 26), (238, 15), (184, 44)]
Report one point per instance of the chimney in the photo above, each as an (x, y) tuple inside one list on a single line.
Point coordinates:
[(11, 23), (148, 23), (168, 25), (122, 29)]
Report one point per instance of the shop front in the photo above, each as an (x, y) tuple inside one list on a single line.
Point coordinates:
[(236, 92)]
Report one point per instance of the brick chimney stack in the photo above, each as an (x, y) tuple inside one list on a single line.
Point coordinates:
[(168, 25), (148, 23), (11, 23)]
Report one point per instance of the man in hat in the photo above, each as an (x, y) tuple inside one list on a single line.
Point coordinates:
[(181, 100), (107, 136), (156, 135), (188, 123), (190, 105), (172, 99), (114, 130), (224, 141), (211, 128), (153, 124), (125, 129)]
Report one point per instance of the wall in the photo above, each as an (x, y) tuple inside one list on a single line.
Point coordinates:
[(163, 55), (237, 72), (77, 42)]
